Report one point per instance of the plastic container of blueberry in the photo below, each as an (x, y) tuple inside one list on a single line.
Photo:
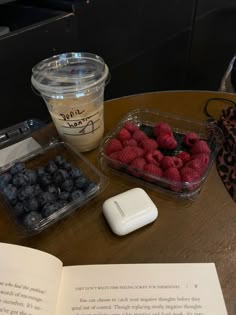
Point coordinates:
[(187, 186), (48, 184)]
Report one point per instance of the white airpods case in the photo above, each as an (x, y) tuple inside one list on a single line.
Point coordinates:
[(129, 211)]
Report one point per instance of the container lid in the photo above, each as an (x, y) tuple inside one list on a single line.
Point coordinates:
[(68, 73)]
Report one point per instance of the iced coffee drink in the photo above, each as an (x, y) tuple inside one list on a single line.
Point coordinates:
[(80, 125), (72, 86)]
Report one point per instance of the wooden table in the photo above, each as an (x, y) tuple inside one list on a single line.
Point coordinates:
[(202, 231)]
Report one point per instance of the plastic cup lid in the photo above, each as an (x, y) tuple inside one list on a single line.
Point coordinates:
[(69, 73)]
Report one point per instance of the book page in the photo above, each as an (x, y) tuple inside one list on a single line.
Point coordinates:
[(29, 281), (141, 289)]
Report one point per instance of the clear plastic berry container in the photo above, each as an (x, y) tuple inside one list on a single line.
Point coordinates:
[(48, 184), (145, 120)]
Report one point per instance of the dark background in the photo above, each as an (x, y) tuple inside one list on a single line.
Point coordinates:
[(148, 45)]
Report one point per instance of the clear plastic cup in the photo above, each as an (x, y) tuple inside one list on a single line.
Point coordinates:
[(72, 86)]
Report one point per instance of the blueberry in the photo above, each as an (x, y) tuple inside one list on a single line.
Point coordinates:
[(20, 180), (67, 185), (32, 219), (62, 203), (60, 176), (76, 172), (11, 193), (59, 159), (45, 179), (67, 166), (77, 194), (19, 209), (46, 197), (31, 175), (81, 182), (30, 191), (5, 179), (30, 205), (53, 189), (64, 195), (21, 194), (90, 188), (26, 192), (50, 208), (18, 167), (41, 171), (37, 190), (51, 167)]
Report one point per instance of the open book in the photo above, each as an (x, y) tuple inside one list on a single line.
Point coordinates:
[(35, 283)]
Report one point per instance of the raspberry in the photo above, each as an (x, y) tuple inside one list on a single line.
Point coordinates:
[(189, 175), (139, 151), (178, 162), (139, 135), (150, 159), (167, 162), (203, 157), (131, 127), (136, 166), (190, 139), (153, 171), (197, 165), (113, 145), (127, 154), (157, 155), (154, 157), (149, 145), (184, 156), (161, 128), (114, 156), (124, 134), (200, 147), (173, 174), (130, 142), (166, 141)]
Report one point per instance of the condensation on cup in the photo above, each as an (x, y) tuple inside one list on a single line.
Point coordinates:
[(72, 86)]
